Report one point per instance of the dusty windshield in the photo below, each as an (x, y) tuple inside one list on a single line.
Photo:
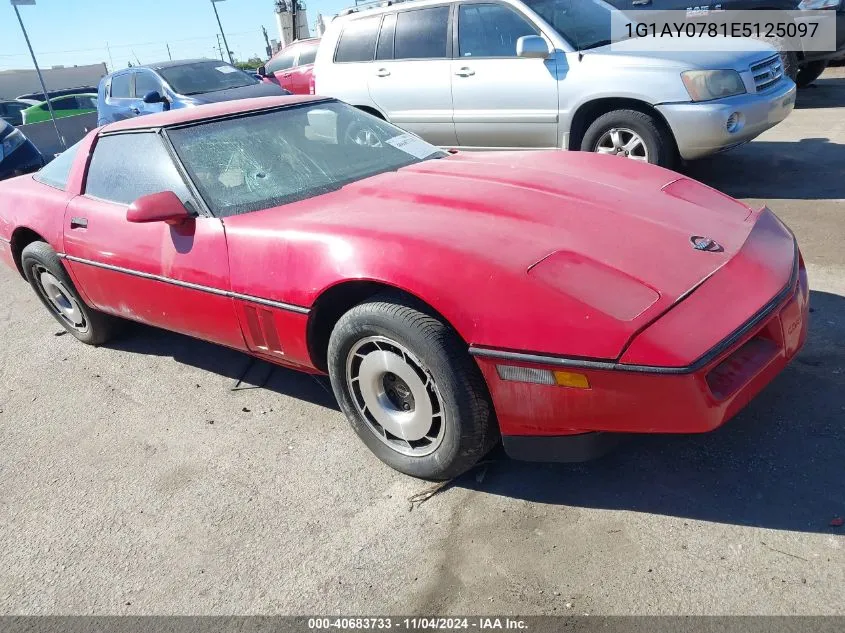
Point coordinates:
[(263, 160), (208, 76), (583, 23)]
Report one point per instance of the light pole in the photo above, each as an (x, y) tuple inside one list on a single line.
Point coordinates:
[(16, 4), (225, 43)]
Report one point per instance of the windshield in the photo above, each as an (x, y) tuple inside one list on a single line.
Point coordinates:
[(208, 76), (259, 161), (583, 23)]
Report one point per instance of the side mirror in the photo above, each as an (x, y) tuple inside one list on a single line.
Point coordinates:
[(532, 46), (158, 207), (262, 71), (153, 96)]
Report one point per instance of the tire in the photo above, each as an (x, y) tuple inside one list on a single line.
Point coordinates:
[(809, 72), (657, 140), (45, 273), (391, 333)]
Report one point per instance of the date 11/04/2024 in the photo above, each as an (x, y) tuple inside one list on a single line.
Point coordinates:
[(417, 623)]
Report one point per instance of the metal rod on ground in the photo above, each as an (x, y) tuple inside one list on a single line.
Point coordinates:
[(225, 43), (40, 78)]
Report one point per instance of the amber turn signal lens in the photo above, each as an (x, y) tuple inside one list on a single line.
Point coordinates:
[(571, 379)]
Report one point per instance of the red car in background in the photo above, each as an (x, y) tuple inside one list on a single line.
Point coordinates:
[(548, 299), (292, 68)]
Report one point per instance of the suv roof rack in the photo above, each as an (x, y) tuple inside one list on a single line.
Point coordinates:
[(368, 4)]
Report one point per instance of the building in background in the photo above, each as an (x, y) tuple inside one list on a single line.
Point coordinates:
[(319, 26), (288, 13), (18, 82)]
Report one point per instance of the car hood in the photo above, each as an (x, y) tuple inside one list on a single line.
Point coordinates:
[(690, 53), (625, 219), (246, 92)]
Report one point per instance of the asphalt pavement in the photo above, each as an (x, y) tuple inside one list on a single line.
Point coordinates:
[(135, 480)]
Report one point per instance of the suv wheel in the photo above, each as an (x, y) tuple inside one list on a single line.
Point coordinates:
[(809, 72), (631, 134)]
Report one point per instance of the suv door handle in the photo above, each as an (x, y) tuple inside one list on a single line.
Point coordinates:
[(135, 111), (641, 3), (382, 72), (79, 223), (465, 72)]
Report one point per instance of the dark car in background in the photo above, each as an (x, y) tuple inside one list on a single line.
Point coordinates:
[(17, 153), (172, 85), (292, 68), (38, 97), (11, 111), (803, 68)]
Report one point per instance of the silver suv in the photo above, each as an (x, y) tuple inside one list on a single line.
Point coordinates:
[(508, 74)]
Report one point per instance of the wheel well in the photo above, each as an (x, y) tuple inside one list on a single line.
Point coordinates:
[(21, 238), (372, 111), (337, 301), (592, 110)]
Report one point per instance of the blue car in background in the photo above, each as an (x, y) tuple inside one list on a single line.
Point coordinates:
[(17, 153), (143, 90)]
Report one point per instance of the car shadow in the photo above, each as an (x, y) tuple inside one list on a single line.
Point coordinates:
[(825, 92), (809, 169), (245, 372), (778, 464)]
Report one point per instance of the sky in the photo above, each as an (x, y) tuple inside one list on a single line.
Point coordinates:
[(77, 32)]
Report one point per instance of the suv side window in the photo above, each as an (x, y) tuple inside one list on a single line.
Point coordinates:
[(422, 34), (113, 178), (358, 40), (490, 30), (146, 82), (120, 86), (384, 49), (282, 62)]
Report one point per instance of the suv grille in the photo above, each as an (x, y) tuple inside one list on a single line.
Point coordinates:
[(767, 73)]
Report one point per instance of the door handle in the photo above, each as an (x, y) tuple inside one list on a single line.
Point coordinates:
[(135, 111), (79, 223), (641, 3), (286, 74), (382, 72), (465, 72)]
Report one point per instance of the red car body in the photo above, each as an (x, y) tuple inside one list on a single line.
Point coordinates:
[(292, 68), (555, 260)]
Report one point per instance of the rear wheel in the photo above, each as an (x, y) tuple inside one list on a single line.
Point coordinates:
[(47, 276), (809, 72), (631, 134), (410, 390)]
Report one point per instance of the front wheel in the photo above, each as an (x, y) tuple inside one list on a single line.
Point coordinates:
[(631, 134), (410, 389), (809, 72)]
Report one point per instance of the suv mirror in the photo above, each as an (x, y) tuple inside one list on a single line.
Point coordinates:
[(153, 96), (158, 207), (532, 46), (262, 71)]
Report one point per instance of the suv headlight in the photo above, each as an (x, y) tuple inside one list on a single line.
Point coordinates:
[(810, 5), (705, 85), (12, 141)]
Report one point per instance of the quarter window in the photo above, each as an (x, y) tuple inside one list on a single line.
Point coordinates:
[(57, 171), (282, 62), (127, 166), (120, 86), (358, 40), (422, 34), (307, 54), (490, 30)]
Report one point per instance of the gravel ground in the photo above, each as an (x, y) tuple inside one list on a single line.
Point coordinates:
[(133, 480)]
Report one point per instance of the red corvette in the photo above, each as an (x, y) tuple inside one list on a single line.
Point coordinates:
[(550, 299)]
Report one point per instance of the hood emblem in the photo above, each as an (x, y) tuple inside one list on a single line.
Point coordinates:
[(701, 243)]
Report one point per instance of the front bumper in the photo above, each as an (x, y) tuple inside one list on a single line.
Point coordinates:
[(580, 423), (701, 129)]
